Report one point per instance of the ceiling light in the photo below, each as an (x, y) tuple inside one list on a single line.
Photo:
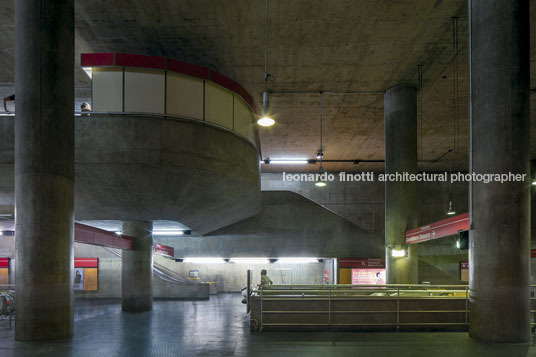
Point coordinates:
[(321, 182), (168, 233), (204, 260), (250, 260), (534, 183), (451, 210), (118, 233), (398, 253), (266, 121), (297, 260), (293, 162), (319, 155)]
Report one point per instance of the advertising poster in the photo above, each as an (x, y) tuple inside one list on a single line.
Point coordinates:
[(368, 276), (79, 279)]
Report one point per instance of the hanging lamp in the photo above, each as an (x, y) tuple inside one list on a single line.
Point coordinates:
[(266, 120)]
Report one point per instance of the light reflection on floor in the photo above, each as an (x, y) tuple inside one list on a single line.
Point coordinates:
[(220, 327)]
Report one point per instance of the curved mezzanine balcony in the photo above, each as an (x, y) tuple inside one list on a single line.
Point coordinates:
[(166, 140)]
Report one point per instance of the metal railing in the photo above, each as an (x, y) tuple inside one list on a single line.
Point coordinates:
[(327, 300), (533, 306)]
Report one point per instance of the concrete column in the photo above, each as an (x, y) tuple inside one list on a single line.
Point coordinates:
[(137, 268), (44, 168), (500, 213), (400, 110)]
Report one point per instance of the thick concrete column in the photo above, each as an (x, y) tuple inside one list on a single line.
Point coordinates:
[(500, 232), (44, 168), (400, 110), (137, 268)]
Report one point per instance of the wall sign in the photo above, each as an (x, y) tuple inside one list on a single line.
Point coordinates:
[(439, 229)]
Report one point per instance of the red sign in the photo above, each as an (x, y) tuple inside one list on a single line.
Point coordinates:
[(97, 236), (464, 265), (368, 276), (443, 228), (326, 276), (86, 262), (164, 250), (362, 263), (4, 262)]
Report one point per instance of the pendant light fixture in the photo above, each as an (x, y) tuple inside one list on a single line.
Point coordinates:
[(320, 154), (266, 119), (455, 118)]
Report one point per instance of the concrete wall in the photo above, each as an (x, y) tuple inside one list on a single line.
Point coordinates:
[(110, 278), (226, 277), (232, 277), (362, 203), (289, 225)]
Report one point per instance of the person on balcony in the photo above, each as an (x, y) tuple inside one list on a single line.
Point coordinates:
[(10, 98)]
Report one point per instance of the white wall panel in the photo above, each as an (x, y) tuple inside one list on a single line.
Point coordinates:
[(218, 105), (144, 90), (107, 91), (184, 96), (242, 116)]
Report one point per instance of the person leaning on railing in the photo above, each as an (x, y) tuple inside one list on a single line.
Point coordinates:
[(265, 280)]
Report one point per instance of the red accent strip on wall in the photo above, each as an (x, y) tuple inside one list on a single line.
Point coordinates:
[(362, 263), (96, 236), (96, 59), (86, 262), (4, 262), (439, 229), (143, 61), (224, 82), (188, 69)]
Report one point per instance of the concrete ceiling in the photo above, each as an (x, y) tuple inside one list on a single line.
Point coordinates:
[(329, 45)]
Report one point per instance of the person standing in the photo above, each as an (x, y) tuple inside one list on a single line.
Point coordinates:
[(10, 98)]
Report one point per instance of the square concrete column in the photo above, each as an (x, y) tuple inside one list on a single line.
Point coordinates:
[(400, 110), (499, 251), (44, 169), (137, 268)]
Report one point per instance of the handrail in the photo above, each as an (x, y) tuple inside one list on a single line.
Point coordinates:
[(302, 286), (336, 292)]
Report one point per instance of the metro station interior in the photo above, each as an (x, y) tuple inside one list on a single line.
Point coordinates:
[(268, 178)]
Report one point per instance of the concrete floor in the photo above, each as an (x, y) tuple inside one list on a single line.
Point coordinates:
[(219, 327)]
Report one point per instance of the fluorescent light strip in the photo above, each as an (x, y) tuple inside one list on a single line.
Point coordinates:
[(293, 162), (250, 260), (168, 233), (398, 252), (297, 260), (204, 260)]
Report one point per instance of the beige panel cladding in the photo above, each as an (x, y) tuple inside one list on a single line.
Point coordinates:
[(184, 96), (242, 117), (144, 91), (218, 105), (107, 90)]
